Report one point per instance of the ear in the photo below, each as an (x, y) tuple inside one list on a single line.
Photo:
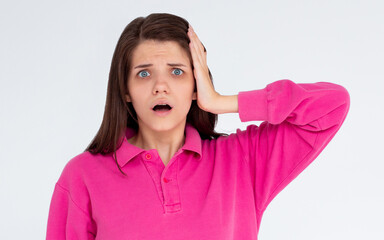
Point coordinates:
[(194, 96), (127, 98)]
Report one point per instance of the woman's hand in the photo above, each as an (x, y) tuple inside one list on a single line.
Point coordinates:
[(207, 98), (206, 94)]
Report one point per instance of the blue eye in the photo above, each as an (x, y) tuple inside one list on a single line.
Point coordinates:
[(143, 75), (178, 71)]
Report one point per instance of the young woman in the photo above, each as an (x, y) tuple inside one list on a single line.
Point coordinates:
[(157, 169)]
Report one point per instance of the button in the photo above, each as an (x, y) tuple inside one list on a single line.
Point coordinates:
[(167, 180), (148, 156)]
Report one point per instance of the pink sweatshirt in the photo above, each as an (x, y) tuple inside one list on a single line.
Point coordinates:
[(210, 189)]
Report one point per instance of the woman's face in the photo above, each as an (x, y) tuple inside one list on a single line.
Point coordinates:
[(160, 71)]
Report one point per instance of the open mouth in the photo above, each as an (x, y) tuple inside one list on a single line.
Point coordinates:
[(162, 108)]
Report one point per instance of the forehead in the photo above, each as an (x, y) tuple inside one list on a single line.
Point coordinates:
[(152, 50)]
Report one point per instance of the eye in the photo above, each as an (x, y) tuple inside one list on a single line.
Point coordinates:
[(178, 71), (145, 73)]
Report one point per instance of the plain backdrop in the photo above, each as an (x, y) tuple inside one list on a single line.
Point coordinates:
[(55, 58)]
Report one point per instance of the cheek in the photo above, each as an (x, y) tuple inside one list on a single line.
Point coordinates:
[(135, 97), (140, 95), (134, 88), (138, 105), (186, 92)]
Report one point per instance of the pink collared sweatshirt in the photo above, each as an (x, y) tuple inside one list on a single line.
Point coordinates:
[(210, 189)]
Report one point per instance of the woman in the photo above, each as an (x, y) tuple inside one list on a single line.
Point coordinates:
[(157, 169)]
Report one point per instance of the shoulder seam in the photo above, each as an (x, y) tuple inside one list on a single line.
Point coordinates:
[(245, 160), (70, 196)]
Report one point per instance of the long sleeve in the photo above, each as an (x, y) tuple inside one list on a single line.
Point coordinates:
[(69, 217), (299, 120)]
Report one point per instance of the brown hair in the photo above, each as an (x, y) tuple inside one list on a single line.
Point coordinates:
[(119, 114)]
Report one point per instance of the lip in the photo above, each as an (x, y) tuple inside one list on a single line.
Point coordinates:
[(161, 101), (162, 113)]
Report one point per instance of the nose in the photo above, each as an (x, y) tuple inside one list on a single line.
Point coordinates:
[(161, 86)]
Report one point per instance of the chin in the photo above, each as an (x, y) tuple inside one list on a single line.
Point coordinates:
[(164, 125)]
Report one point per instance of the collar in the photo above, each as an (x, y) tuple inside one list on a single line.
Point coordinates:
[(127, 151)]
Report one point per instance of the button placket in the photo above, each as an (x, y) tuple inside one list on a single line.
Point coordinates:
[(171, 189), (154, 169), (165, 180)]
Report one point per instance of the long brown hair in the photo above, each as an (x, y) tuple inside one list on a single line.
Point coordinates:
[(119, 114)]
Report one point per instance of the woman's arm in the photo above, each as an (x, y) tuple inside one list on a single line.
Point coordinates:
[(300, 119), (224, 104)]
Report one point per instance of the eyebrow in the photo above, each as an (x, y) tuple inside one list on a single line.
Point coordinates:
[(169, 64)]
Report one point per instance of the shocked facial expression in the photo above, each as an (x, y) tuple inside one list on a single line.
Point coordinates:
[(160, 73)]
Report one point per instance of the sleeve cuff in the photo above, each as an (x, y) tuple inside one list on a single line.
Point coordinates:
[(253, 105)]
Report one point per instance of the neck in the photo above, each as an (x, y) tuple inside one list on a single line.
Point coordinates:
[(165, 142)]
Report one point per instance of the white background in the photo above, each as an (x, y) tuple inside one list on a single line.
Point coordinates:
[(55, 58)]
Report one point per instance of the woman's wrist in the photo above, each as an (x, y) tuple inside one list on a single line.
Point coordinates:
[(224, 104)]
